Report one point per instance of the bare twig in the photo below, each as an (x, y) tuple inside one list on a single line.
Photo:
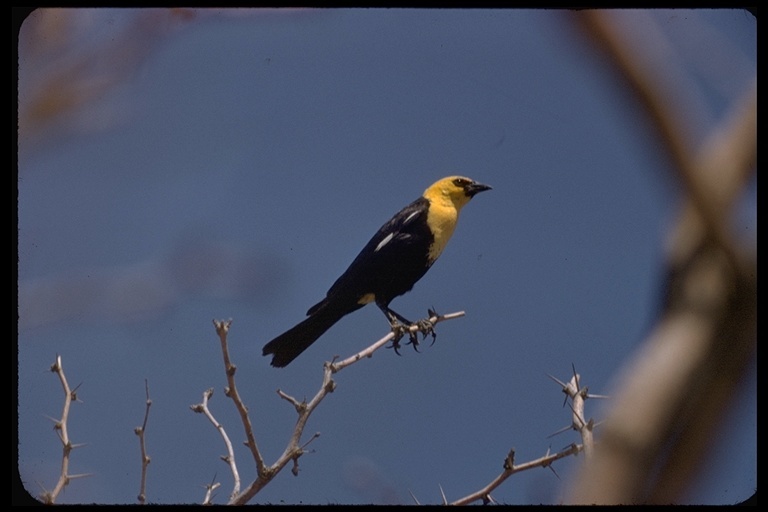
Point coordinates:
[(229, 458), (294, 449), (368, 352), (141, 431), (207, 499), (222, 328)]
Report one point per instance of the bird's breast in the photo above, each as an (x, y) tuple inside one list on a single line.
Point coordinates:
[(441, 220)]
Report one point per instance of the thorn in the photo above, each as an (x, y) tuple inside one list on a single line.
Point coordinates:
[(509, 461), (314, 436), (80, 475), (561, 383), (445, 501), (569, 427), (578, 416), (54, 420)]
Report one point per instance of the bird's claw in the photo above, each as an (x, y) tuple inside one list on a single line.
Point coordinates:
[(423, 326), (427, 327), (414, 339), (398, 329)]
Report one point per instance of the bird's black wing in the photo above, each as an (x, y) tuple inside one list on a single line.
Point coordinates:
[(392, 260)]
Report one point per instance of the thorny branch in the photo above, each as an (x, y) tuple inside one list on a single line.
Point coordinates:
[(60, 426), (294, 449), (578, 395), (510, 468)]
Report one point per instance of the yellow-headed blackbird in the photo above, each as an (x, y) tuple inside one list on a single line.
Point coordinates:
[(388, 266)]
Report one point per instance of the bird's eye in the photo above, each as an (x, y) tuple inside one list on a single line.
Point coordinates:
[(461, 182)]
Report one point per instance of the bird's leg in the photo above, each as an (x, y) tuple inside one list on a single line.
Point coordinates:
[(400, 325), (394, 316)]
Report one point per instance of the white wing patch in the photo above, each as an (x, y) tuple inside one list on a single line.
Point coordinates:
[(392, 235), (408, 218), (384, 242)]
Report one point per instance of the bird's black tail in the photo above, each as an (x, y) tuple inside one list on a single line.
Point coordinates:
[(296, 340)]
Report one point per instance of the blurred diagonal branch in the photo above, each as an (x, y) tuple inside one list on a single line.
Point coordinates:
[(673, 392), (67, 65)]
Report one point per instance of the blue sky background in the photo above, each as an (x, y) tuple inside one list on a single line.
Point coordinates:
[(239, 160)]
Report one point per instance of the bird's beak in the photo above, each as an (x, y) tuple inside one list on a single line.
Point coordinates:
[(475, 188)]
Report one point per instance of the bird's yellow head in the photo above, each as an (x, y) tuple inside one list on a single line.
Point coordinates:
[(455, 191), (446, 198)]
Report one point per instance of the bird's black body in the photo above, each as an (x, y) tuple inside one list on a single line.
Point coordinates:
[(395, 258), (392, 269)]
